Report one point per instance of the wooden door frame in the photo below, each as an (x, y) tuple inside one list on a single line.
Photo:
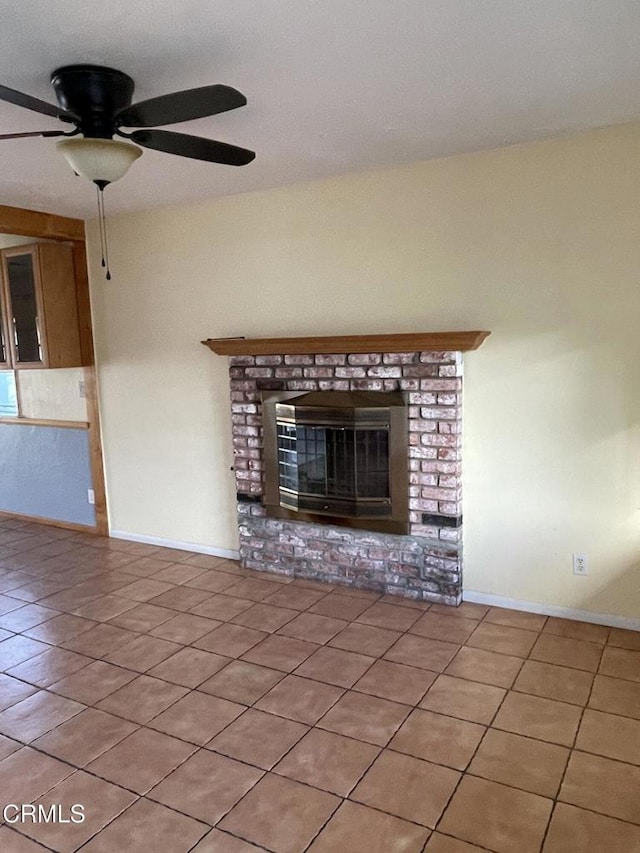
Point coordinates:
[(50, 226)]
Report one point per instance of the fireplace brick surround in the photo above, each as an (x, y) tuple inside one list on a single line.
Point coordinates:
[(424, 564)]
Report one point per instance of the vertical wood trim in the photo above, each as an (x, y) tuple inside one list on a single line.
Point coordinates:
[(95, 452), (91, 386)]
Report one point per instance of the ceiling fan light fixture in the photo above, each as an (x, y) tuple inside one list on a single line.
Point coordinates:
[(102, 161)]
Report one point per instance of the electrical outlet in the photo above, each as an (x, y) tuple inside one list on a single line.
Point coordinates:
[(91, 497), (580, 564), (82, 389)]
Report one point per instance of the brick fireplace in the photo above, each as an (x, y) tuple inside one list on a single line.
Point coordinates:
[(426, 369)]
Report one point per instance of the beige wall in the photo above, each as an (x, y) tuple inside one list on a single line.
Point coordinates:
[(538, 243)]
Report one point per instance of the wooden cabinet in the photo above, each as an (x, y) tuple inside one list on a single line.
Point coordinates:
[(38, 307)]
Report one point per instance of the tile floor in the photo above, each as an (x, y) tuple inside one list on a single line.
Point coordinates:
[(190, 705)]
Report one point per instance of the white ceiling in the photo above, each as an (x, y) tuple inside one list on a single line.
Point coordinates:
[(333, 86)]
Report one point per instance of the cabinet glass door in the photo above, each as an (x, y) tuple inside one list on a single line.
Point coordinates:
[(21, 287), (4, 343)]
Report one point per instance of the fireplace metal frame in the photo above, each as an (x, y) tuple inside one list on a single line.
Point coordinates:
[(377, 408)]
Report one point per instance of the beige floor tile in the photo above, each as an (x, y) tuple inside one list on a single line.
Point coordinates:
[(8, 746), (610, 735), (12, 691), (485, 667), (37, 714), (295, 597), (27, 774), (141, 760), (258, 738), (196, 718), (602, 785), (389, 616), (616, 696), (335, 666), (565, 651), (60, 628), (229, 640), (619, 663), (313, 628), (148, 826), (624, 639), (544, 719), (300, 699), (221, 842), (142, 699), (365, 639), (340, 607), (407, 788), (446, 844), (211, 581), (145, 590), (242, 682), (574, 830), (328, 761), (185, 628), (358, 829), (554, 682), (577, 630), (467, 700), (27, 616), (466, 610), (515, 618), (254, 589), (142, 653), (277, 652), (93, 682), (13, 842), (422, 652), (520, 762), (17, 649), (258, 818), (102, 803), (49, 667), (189, 667), (183, 599), (452, 629), (503, 639), (364, 717), (221, 607), (501, 819), (265, 617), (105, 608), (206, 786), (84, 737), (396, 682), (99, 641), (436, 738)]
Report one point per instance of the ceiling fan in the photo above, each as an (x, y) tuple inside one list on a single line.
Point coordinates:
[(97, 100)]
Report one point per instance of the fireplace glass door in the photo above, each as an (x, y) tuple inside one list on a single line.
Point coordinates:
[(337, 457), (328, 468)]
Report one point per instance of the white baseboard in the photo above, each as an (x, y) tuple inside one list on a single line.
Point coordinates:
[(227, 553), (609, 619)]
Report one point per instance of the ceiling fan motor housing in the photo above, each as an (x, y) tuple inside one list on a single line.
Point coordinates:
[(94, 94)]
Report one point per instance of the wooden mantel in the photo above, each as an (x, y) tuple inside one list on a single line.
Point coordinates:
[(408, 342)]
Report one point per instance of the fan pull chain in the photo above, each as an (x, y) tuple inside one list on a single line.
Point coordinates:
[(104, 245)]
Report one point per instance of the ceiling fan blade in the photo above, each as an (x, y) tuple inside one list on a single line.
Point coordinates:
[(35, 104), (193, 146), (33, 133), (181, 106)]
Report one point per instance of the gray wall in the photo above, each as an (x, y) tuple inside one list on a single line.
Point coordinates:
[(45, 471)]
